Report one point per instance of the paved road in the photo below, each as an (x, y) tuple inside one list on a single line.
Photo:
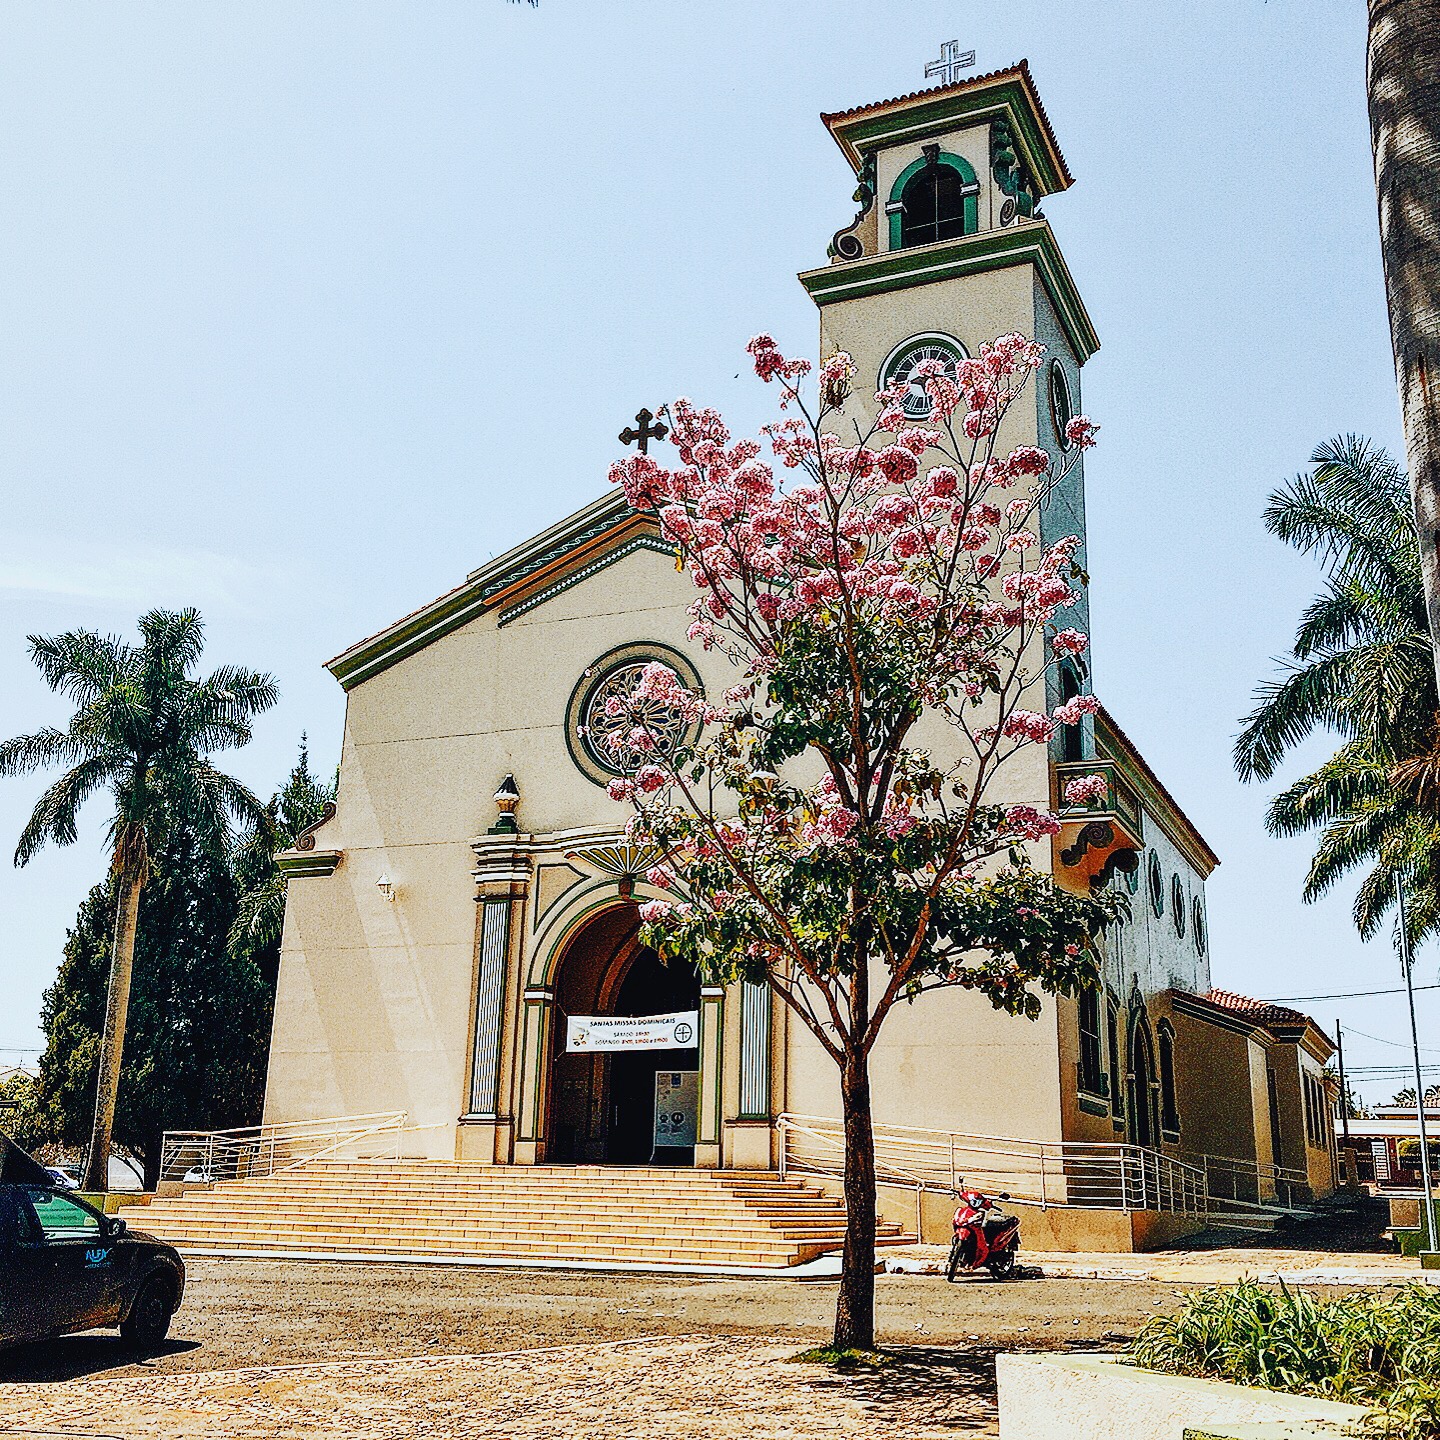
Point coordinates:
[(248, 1312)]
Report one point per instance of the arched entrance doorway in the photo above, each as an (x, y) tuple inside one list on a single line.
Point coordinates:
[(602, 1106)]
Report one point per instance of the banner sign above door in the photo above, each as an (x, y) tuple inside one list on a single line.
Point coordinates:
[(594, 1034)]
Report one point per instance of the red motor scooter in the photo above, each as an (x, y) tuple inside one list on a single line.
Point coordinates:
[(983, 1236)]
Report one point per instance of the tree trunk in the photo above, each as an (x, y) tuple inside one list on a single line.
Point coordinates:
[(150, 1159), (1404, 88), (855, 1308), (112, 1040)]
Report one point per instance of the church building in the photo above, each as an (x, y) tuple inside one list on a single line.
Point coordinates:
[(470, 907)]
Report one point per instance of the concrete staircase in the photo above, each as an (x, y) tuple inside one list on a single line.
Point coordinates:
[(510, 1214)]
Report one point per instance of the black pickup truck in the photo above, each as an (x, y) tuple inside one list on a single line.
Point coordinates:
[(64, 1266)]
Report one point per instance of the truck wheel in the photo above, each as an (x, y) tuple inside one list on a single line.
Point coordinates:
[(148, 1322)]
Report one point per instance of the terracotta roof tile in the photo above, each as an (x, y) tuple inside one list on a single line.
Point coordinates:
[(1022, 70), (1262, 1012)]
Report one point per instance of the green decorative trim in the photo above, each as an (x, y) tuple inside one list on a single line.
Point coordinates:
[(1010, 98), (1031, 243), (971, 218), (1092, 1106), (439, 618), (1008, 171), (641, 542), (303, 865)]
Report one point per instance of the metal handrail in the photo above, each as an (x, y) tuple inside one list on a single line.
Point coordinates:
[(1098, 1175), (258, 1150), (1251, 1182)]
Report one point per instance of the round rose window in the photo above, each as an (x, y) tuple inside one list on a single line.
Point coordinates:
[(600, 717)]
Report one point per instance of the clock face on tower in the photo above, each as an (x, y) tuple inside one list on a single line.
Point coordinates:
[(907, 357)]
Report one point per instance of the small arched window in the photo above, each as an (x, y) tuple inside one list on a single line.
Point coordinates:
[(1156, 878), (1177, 905), (935, 198), (1169, 1110), (1072, 737)]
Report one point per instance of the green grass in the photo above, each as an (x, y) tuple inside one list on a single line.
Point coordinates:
[(1376, 1348), (842, 1359)]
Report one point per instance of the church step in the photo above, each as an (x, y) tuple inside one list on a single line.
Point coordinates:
[(507, 1247), (499, 1224), (470, 1224), (584, 1205), (465, 1210)]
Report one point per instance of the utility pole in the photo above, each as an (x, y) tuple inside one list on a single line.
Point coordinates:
[(1344, 1104), (1407, 963)]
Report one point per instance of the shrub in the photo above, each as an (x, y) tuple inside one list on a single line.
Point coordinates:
[(1379, 1349)]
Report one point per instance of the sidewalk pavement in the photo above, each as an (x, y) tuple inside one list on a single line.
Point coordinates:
[(1197, 1267)]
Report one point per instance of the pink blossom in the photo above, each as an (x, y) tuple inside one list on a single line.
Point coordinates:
[(619, 789), (1030, 823), (650, 778), (1069, 642), (1027, 725), (1080, 432), (1088, 789), (1026, 460), (1072, 712), (656, 912), (899, 466)]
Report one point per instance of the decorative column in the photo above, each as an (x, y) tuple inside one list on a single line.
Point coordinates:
[(502, 880), (712, 1050), (749, 1137), (489, 1001), (754, 1051)]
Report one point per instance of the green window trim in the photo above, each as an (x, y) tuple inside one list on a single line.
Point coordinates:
[(962, 167)]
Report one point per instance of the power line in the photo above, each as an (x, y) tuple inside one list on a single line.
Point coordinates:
[(1344, 995), (1381, 1040)]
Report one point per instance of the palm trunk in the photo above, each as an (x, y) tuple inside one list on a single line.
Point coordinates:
[(855, 1308), (112, 1040), (1404, 89)]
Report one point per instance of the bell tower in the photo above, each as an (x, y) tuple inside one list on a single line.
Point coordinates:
[(950, 249)]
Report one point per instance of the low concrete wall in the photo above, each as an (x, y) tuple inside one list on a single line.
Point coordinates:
[(1096, 1397), (1069, 1230)]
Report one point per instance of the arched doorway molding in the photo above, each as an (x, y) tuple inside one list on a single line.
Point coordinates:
[(598, 908), (1143, 1119)]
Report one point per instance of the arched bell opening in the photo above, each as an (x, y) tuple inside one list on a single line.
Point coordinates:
[(602, 1106)]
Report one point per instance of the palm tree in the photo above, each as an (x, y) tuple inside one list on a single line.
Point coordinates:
[(302, 802), (1406, 1097), (1404, 90), (1361, 668), (142, 731)]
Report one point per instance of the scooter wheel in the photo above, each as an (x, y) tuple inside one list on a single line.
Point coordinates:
[(1002, 1267), (952, 1268)]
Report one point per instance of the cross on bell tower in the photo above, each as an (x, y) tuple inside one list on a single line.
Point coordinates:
[(951, 62)]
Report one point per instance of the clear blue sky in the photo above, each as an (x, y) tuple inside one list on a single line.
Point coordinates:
[(307, 309)]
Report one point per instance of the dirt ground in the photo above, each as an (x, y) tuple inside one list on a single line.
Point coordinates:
[(690, 1388), (261, 1312)]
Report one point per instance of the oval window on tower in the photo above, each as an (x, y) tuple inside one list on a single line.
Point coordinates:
[(1062, 411)]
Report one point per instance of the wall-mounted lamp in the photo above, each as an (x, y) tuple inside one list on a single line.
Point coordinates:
[(386, 886), (507, 797)]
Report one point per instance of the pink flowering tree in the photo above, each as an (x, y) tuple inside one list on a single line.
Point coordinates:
[(888, 578)]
